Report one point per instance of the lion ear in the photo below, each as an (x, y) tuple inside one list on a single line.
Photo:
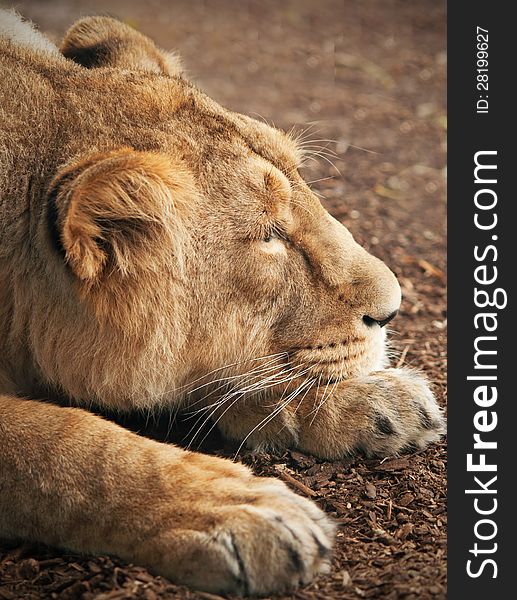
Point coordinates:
[(106, 42), (119, 211)]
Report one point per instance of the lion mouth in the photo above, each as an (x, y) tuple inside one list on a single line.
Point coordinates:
[(330, 345), (330, 355), (335, 361)]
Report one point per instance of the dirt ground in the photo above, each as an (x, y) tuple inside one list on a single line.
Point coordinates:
[(367, 80)]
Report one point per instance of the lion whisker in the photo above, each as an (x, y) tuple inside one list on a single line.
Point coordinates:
[(228, 366), (326, 159), (324, 399), (304, 134), (261, 368), (329, 140), (320, 179), (215, 405), (301, 400), (254, 375), (307, 149), (179, 389), (307, 382), (365, 149), (239, 393), (300, 205)]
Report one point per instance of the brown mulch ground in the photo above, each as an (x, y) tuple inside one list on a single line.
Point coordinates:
[(370, 77)]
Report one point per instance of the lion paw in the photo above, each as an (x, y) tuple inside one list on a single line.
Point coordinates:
[(404, 415), (270, 540)]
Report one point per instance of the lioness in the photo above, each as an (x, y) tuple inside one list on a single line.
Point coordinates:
[(158, 250)]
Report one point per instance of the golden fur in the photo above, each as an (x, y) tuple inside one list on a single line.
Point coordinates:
[(160, 251)]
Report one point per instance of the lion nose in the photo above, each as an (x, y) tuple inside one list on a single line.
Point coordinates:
[(371, 321)]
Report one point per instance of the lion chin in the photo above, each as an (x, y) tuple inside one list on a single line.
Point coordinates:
[(160, 251)]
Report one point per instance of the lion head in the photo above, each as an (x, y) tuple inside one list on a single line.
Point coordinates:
[(178, 238)]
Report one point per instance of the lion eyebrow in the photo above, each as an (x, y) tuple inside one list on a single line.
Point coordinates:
[(277, 183), (277, 228)]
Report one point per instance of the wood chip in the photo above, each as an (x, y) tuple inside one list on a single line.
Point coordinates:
[(404, 531), (383, 536), (397, 464), (386, 192), (208, 596), (301, 487), (346, 580), (406, 499), (370, 490), (426, 266), (301, 460)]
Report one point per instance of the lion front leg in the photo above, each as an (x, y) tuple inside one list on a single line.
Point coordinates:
[(381, 414), (71, 479)]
